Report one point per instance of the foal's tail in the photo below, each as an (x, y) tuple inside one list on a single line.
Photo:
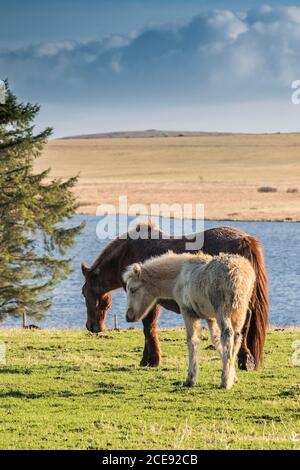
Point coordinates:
[(259, 304)]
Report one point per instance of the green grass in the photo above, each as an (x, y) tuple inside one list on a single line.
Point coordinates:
[(74, 390)]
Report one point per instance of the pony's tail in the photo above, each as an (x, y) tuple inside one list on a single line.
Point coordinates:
[(259, 304)]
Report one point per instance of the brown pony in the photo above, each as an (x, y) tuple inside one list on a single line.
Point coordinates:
[(105, 275)]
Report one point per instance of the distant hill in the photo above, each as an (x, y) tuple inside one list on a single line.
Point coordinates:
[(143, 134)]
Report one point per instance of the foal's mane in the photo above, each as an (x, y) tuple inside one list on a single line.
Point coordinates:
[(168, 264)]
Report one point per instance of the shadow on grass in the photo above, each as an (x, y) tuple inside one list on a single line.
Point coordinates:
[(119, 369), (68, 368), (34, 396), (107, 388), (293, 392), (10, 370), (266, 418), (18, 394), (199, 389)]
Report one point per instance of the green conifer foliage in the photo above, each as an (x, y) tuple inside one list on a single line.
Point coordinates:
[(33, 238)]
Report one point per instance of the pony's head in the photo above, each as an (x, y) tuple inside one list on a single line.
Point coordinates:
[(96, 300), (140, 299)]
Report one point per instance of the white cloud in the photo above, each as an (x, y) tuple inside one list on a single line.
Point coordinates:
[(50, 49), (219, 55)]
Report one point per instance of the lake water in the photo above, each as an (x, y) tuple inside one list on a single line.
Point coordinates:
[(281, 242)]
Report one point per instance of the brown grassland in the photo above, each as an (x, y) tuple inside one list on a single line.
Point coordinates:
[(224, 172)]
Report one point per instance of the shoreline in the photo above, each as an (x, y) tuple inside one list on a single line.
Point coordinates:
[(210, 219), (110, 330)]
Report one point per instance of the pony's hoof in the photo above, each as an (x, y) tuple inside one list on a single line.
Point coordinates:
[(189, 383), (144, 363), (246, 361), (150, 362), (154, 364), (225, 386)]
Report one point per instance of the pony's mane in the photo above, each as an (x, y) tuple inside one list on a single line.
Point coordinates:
[(119, 241), (107, 251)]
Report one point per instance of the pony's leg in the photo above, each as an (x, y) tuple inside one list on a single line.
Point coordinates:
[(245, 359), (227, 339), (236, 347), (151, 355), (215, 335), (104, 305), (238, 321), (193, 333)]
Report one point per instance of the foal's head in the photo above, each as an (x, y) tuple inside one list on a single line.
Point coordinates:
[(96, 299), (140, 298)]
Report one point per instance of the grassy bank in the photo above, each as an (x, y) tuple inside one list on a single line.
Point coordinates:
[(73, 390)]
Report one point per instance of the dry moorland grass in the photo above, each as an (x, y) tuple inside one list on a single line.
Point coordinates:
[(224, 172)]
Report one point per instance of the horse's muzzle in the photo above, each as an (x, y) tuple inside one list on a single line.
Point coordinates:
[(130, 316), (94, 327)]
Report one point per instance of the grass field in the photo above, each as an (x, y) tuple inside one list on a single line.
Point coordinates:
[(73, 390), (222, 171)]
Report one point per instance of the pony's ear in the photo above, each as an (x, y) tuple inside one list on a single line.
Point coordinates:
[(136, 269), (132, 271), (84, 269)]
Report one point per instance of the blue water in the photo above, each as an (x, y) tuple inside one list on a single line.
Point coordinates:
[(281, 242)]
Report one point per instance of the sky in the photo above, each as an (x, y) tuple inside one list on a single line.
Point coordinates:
[(107, 65)]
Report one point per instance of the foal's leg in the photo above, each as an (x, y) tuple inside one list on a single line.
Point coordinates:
[(238, 321), (236, 347), (193, 332), (227, 339), (215, 335), (151, 355)]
